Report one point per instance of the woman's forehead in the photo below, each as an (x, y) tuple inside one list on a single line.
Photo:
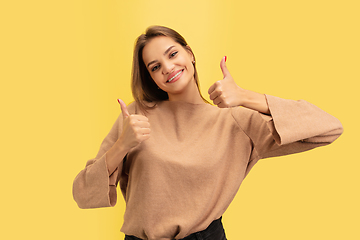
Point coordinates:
[(157, 47)]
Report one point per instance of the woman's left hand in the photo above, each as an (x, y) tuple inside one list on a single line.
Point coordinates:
[(225, 93)]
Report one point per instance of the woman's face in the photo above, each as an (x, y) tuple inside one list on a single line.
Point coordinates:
[(169, 64)]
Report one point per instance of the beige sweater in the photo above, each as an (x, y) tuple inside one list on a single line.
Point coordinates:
[(188, 172)]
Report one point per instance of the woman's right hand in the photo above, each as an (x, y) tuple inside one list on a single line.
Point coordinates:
[(136, 128)]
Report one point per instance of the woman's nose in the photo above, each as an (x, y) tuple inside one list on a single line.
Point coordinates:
[(167, 67)]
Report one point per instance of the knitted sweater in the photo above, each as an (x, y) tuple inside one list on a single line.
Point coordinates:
[(187, 173)]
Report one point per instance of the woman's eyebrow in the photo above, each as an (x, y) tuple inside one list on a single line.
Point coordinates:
[(167, 50)]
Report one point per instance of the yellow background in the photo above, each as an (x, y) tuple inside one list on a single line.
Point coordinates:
[(64, 63)]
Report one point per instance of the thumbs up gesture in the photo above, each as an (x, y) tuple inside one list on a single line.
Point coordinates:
[(225, 93), (136, 128)]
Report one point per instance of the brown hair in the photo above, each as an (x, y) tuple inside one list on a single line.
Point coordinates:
[(144, 89)]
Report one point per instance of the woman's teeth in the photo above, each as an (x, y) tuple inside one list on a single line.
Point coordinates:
[(174, 76)]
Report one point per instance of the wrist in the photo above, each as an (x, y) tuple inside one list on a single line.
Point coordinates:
[(121, 146), (255, 101), (115, 155), (244, 97)]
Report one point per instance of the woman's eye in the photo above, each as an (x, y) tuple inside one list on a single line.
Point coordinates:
[(155, 68), (173, 54)]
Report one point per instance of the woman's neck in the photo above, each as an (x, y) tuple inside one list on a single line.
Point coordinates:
[(190, 95)]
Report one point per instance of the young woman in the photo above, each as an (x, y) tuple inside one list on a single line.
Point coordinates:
[(179, 160)]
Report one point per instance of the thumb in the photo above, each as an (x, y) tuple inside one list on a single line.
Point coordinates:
[(223, 67), (123, 107)]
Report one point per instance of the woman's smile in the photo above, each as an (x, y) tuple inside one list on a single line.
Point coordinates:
[(175, 76)]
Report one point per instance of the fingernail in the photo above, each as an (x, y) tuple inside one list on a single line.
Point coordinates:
[(118, 101), (225, 58)]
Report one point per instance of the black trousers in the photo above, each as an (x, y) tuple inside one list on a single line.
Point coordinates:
[(215, 231)]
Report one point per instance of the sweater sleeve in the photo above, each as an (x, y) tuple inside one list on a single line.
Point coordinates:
[(93, 187), (293, 126)]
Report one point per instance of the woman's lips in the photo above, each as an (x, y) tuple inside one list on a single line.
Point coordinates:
[(175, 76)]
